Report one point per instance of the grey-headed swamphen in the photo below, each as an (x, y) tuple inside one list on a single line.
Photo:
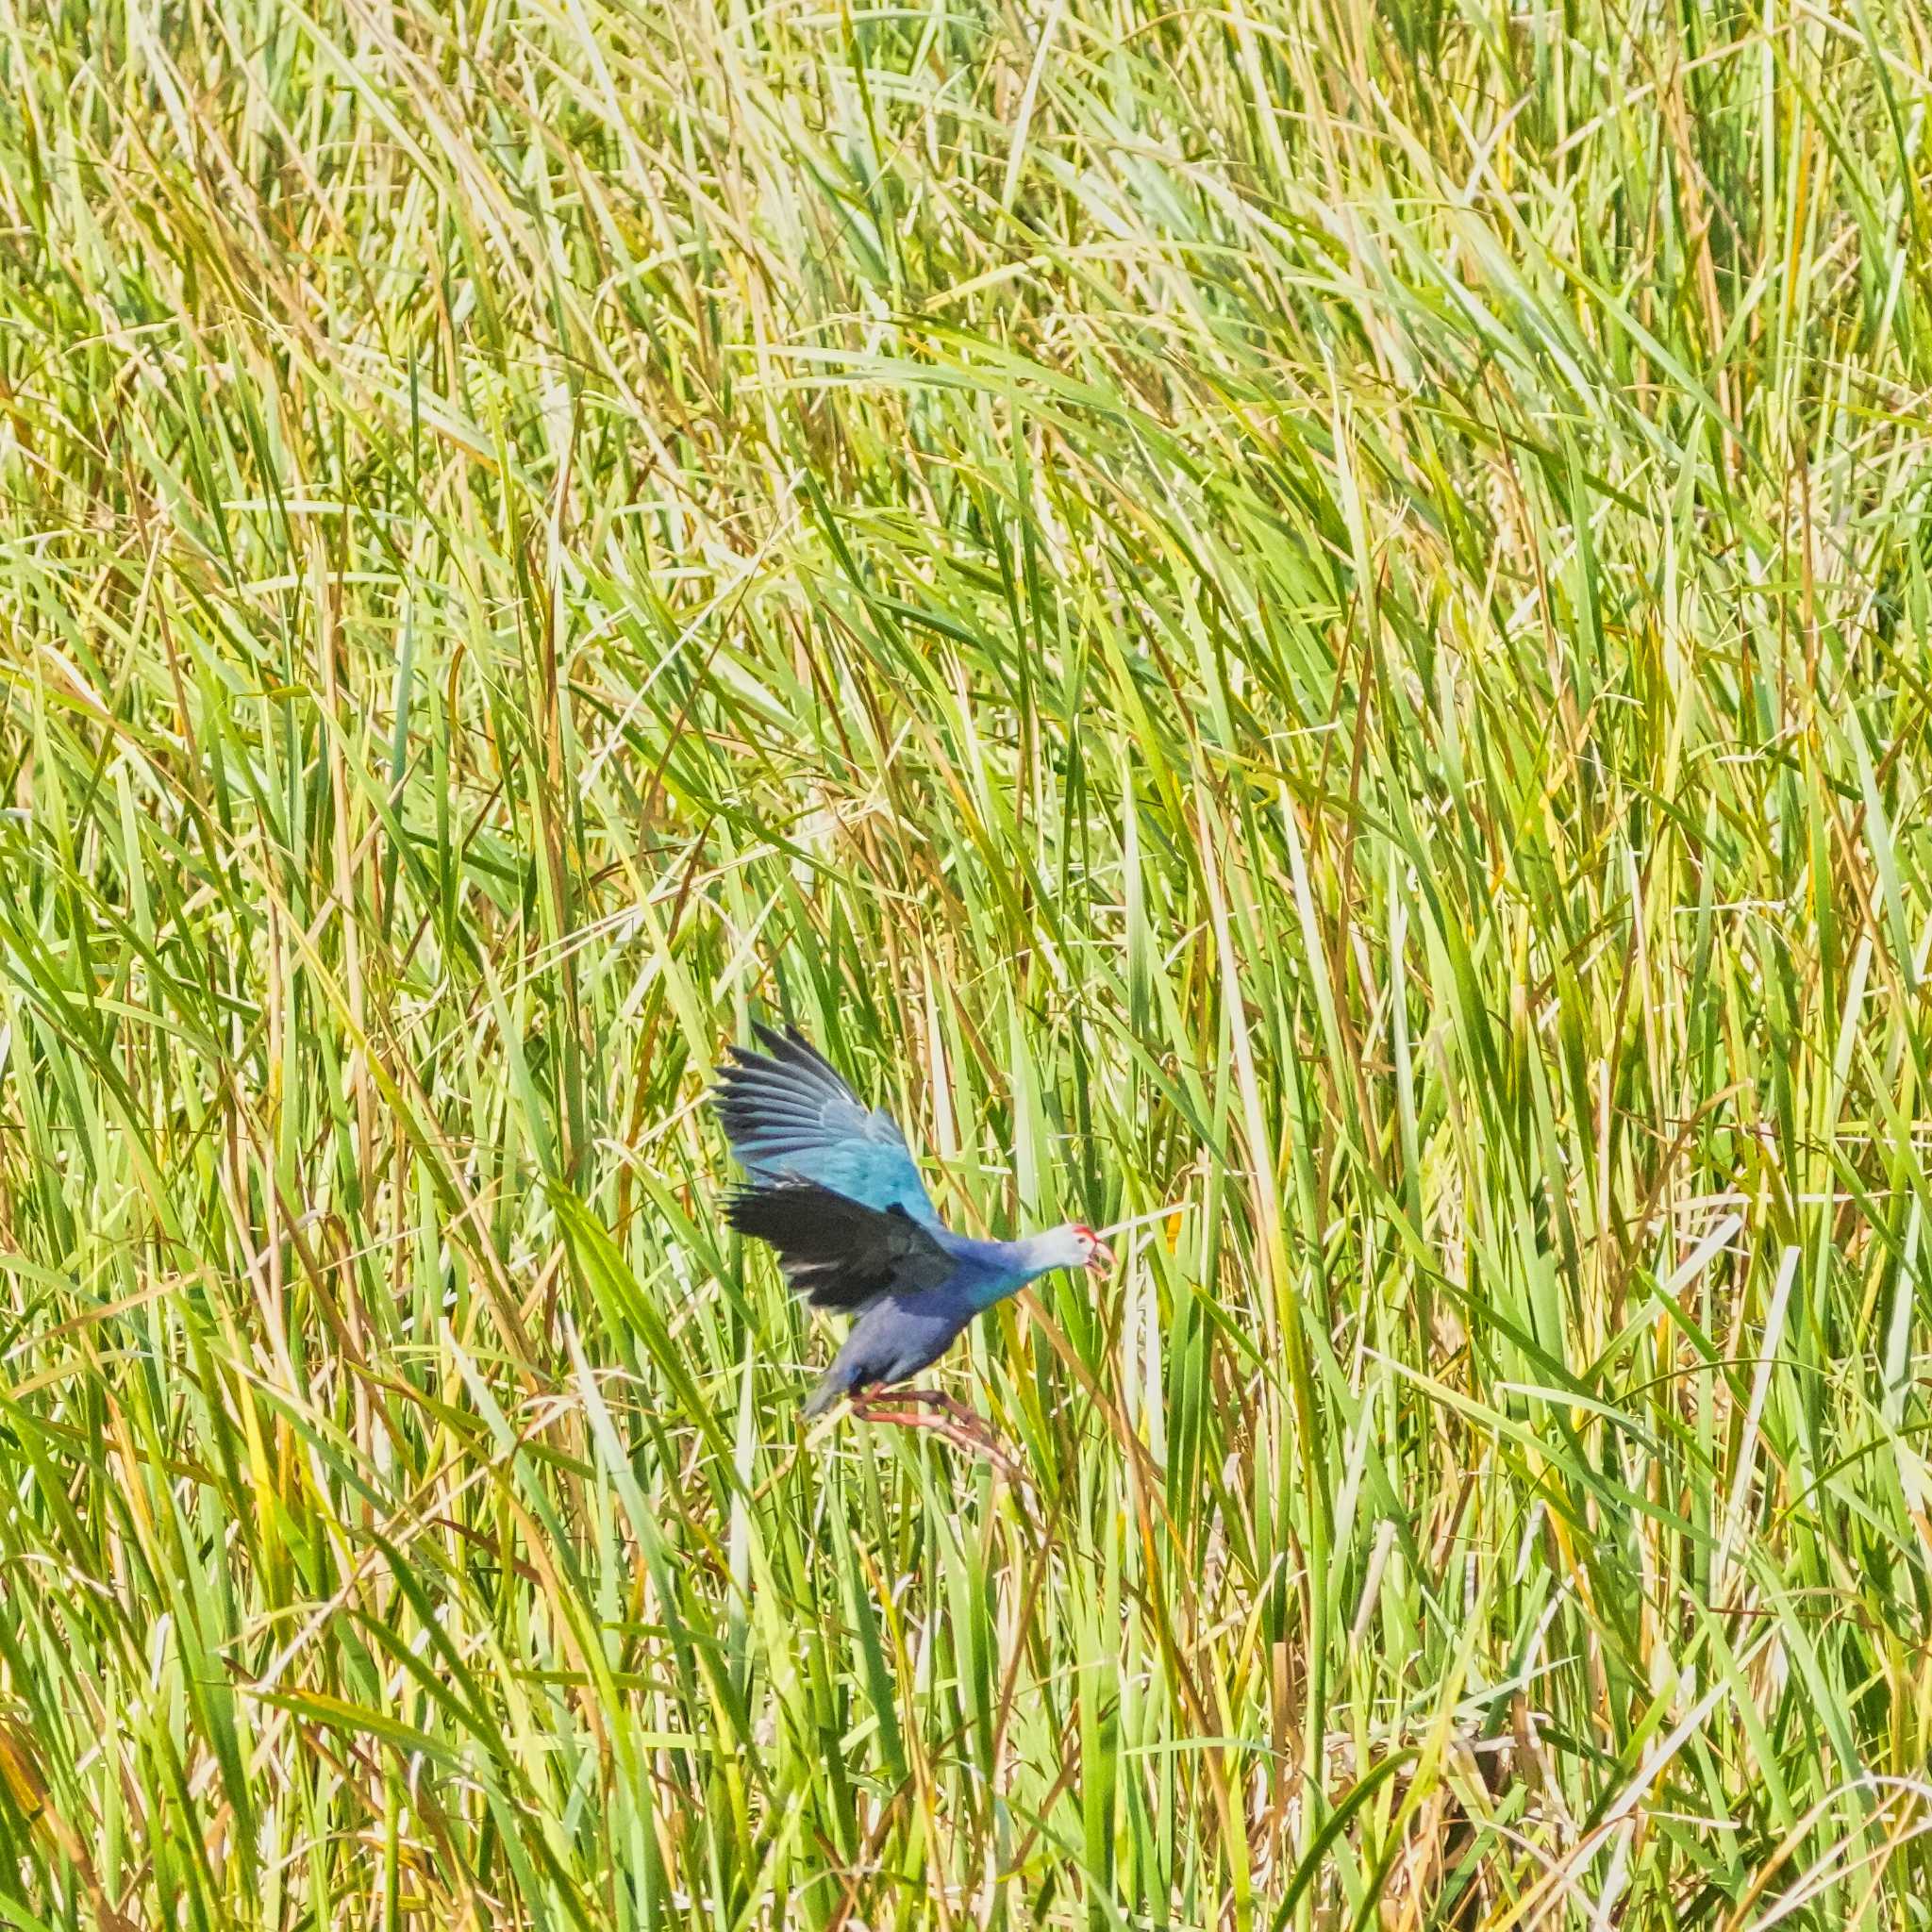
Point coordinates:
[(832, 1186)]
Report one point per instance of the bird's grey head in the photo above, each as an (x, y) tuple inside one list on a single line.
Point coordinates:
[(1075, 1245)]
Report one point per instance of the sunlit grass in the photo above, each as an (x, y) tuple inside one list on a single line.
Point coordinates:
[(1307, 617)]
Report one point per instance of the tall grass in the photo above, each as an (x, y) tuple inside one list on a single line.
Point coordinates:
[(1303, 619)]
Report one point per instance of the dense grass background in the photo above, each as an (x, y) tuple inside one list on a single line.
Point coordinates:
[(1308, 616)]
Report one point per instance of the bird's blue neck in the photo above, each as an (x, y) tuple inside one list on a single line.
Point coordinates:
[(994, 1270)]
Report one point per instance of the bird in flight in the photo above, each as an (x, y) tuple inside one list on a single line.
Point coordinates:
[(831, 1186)]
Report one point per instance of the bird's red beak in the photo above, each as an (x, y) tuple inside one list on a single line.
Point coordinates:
[(1101, 1259)]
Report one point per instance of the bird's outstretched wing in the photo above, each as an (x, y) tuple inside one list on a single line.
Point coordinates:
[(835, 1251), (789, 1117)]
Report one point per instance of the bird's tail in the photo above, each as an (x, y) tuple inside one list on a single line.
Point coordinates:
[(827, 1392)]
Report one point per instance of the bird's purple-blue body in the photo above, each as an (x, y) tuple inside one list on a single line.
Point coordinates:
[(832, 1186)]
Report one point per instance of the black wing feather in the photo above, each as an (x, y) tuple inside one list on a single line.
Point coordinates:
[(835, 1252)]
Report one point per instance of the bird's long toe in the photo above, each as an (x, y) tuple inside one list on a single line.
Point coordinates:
[(956, 1425)]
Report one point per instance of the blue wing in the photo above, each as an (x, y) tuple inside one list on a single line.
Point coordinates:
[(789, 1117)]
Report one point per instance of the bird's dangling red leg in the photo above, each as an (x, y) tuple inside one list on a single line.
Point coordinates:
[(973, 1422), (956, 1425)]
